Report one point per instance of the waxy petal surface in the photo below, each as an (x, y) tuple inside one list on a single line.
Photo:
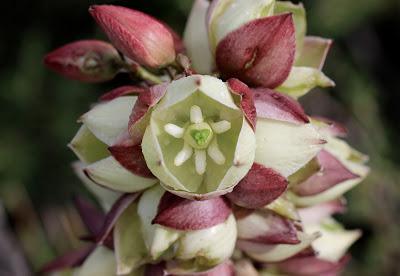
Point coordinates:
[(267, 228), (137, 35), (131, 157), (332, 172), (276, 106), (258, 188), (183, 214), (260, 53)]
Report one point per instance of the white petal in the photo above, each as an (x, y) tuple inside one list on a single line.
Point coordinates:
[(105, 196), (286, 147), (157, 239), (334, 242), (221, 126), (108, 120), (200, 159), (215, 153), (183, 155), (174, 130), (183, 88), (109, 173), (195, 38), (280, 252), (230, 16), (215, 243)]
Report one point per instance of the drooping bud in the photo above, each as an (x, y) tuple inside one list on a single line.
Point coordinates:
[(137, 35), (85, 60)]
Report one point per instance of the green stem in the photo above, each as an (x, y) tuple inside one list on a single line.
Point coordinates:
[(146, 75)]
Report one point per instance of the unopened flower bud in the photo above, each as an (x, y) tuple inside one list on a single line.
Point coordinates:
[(137, 35), (85, 60)]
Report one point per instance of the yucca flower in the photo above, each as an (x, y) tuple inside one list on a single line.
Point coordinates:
[(206, 164)]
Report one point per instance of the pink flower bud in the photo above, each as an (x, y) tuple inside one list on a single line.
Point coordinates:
[(85, 60), (137, 35)]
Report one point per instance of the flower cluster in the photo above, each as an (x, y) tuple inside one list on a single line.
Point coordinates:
[(206, 164)]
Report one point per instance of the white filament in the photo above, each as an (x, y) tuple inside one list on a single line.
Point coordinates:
[(200, 159), (196, 116), (174, 130), (221, 126), (215, 153), (183, 155)]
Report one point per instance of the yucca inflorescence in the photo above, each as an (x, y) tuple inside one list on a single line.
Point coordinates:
[(206, 164)]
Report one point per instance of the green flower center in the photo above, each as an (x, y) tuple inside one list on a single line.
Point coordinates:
[(199, 135)]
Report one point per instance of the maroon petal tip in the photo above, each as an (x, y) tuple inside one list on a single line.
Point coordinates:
[(258, 188), (131, 157), (246, 100), (260, 53), (332, 173), (276, 106), (184, 214), (143, 105)]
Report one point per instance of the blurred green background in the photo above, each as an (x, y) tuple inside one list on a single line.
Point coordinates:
[(39, 111)]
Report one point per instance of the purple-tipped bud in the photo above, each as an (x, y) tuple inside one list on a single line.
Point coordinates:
[(85, 60), (137, 35)]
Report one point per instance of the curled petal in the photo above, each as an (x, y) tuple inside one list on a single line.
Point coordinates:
[(184, 214), (122, 91), (130, 157), (332, 172), (112, 216), (246, 102), (85, 60), (267, 228), (258, 188), (276, 252), (137, 35), (260, 53), (276, 106), (315, 50), (139, 117)]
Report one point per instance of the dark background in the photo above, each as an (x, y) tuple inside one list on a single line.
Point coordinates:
[(38, 112)]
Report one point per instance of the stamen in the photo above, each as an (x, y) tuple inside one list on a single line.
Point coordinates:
[(215, 153), (221, 126), (200, 159), (174, 130), (196, 116), (183, 155)]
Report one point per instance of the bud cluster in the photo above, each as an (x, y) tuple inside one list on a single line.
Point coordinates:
[(206, 164)]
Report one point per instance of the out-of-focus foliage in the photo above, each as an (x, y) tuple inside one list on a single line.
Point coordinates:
[(38, 109)]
